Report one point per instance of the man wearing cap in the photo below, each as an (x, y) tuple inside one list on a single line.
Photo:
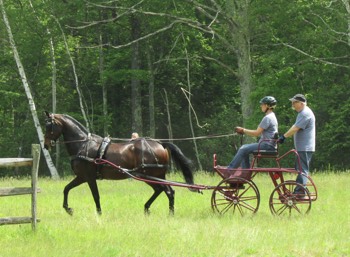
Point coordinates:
[(304, 132)]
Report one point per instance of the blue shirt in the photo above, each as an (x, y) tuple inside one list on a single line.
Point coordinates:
[(305, 138)]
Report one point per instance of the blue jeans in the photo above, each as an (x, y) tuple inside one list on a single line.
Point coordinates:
[(242, 156), (305, 159)]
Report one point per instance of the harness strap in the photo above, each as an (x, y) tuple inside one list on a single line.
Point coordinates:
[(86, 158), (145, 144), (101, 151)]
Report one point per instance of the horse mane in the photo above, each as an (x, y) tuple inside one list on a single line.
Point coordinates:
[(81, 126)]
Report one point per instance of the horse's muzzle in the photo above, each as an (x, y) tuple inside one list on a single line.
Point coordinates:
[(49, 143)]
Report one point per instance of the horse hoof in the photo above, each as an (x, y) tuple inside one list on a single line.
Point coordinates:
[(147, 212), (99, 212), (69, 211)]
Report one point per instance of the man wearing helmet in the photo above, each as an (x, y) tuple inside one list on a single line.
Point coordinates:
[(304, 132), (266, 129)]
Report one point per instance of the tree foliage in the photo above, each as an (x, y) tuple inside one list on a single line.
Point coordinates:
[(293, 46)]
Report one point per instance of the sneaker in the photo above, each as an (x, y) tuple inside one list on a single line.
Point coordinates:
[(301, 195)]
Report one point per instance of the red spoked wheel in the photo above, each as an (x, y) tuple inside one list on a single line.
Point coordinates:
[(284, 202), (236, 195)]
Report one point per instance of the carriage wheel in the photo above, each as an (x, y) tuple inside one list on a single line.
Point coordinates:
[(310, 187), (236, 195), (284, 202)]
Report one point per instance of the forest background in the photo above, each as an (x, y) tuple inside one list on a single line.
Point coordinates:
[(174, 70)]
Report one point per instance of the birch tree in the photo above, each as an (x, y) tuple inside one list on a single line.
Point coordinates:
[(82, 103), (32, 108)]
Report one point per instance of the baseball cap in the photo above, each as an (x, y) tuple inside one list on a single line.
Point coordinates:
[(298, 97)]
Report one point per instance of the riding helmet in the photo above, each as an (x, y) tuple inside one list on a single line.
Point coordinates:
[(269, 100)]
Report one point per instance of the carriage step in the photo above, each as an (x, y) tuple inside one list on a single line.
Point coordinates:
[(306, 198)]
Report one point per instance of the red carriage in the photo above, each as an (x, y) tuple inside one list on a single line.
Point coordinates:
[(237, 192)]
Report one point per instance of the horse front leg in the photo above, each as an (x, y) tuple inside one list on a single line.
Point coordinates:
[(74, 183), (96, 195)]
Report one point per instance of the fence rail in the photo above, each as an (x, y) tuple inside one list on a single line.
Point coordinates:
[(33, 190)]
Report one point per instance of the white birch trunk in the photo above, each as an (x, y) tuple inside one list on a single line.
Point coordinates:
[(54, 89), (189, 106), (77, 86), (169, 125), (21, 71)]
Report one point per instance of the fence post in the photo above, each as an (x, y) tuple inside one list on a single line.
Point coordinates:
[(35, 168)]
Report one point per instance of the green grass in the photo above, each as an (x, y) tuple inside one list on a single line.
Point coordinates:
[(123, 229)]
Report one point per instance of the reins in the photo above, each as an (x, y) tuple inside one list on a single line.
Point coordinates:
[(88, 138), (156, 139), (179, 139), (72, 141)]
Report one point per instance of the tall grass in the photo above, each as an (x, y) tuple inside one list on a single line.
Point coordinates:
[(194, 230)]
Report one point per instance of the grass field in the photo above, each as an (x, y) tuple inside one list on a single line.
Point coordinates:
[(123, 229)]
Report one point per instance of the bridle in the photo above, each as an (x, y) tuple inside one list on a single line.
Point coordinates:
[(50, 121)]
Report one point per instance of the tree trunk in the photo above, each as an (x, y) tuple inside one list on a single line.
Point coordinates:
[(136, 112), (189, 106), (77, 86), (21, 71), (152, 126), (168, 126), (104, 88), (102, 39), (54, 95), (53, 79), (239, 13)]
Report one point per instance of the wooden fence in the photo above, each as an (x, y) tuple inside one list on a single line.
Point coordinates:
[(33, 190)]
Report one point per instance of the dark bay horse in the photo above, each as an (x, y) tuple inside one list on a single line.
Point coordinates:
[(146, 156)]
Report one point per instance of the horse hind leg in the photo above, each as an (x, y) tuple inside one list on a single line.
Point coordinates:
[(74, 183), (158, 189), (95, 194), (170, 193)]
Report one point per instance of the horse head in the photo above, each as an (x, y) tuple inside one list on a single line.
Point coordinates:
[(53, 130)]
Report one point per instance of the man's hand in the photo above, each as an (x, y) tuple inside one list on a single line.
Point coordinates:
[(239, 130), (281, 139)]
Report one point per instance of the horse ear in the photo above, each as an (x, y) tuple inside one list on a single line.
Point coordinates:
[(47, 114)]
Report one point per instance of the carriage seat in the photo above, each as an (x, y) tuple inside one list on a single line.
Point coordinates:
[(266, 153)]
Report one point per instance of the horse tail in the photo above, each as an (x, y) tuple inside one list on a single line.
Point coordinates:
[(181, 161)]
